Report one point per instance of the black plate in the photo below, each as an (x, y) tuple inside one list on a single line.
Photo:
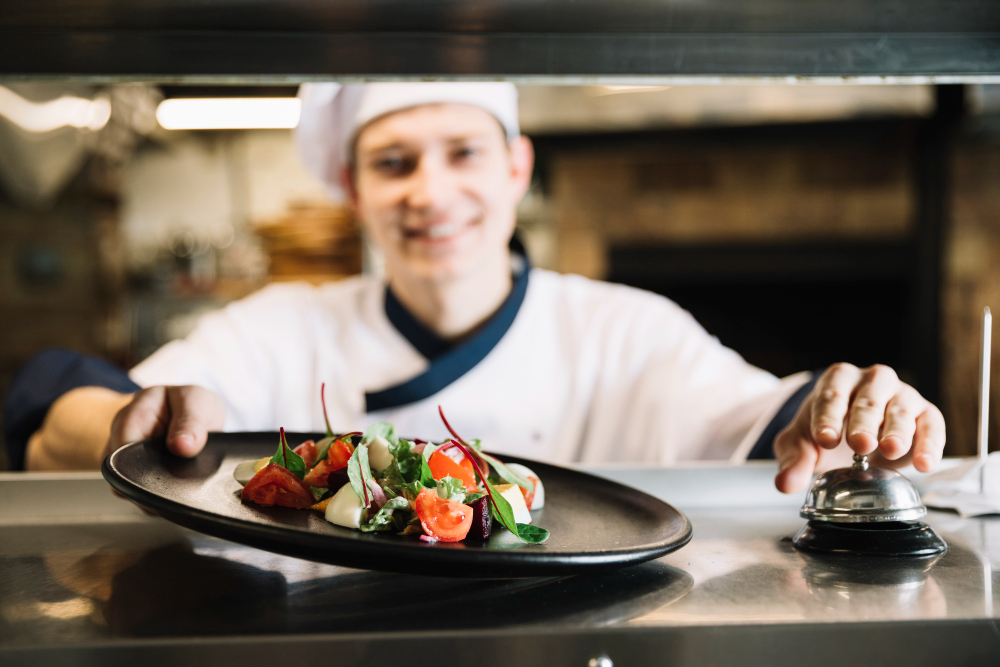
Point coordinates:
[(594, 523)]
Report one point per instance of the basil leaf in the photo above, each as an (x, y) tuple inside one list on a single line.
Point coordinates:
[(450, 488), (532, 534), (384, 429), (288, 459), (360, 473), (508, 475)]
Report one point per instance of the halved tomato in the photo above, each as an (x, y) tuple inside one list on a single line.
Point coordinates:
[(442, 466), (530, 495), (446, 520), (273, 485), (307, 450), (336, 459)]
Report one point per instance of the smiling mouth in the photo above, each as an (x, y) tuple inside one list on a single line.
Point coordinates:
[(440, 232)]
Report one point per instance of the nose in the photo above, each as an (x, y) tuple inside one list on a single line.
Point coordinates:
[(432, 184)]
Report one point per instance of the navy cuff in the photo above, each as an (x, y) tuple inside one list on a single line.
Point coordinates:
[(43, 379), (764, 447)]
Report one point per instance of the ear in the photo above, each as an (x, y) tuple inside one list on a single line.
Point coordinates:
[(522, 162), (348, 184)]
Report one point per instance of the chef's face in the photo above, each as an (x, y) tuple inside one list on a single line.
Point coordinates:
[(437, 187)]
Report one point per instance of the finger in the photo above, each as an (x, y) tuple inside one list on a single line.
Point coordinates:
[(900, 422), (797, 456), (832, 399), (929, 439), (144, 417), (877, 387), (194, 411)]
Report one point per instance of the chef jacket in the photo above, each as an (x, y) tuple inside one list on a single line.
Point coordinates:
[(567, 370)]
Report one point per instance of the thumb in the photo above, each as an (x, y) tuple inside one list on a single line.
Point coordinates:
[(194, 411), (797, 457)]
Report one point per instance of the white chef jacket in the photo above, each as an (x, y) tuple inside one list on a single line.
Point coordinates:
[(580, 371)]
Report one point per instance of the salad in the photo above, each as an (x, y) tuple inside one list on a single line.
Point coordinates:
[(377, 481)]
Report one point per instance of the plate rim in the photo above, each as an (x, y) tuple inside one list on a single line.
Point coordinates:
[(300, 543)]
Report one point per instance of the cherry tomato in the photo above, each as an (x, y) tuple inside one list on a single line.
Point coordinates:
[(530, 495), (307, 450), (273, 485), (446, 520), (442, 466)]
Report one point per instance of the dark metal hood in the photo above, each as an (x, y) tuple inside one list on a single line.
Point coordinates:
[(541, 40)]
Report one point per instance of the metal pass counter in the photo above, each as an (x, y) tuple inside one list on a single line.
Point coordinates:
[(88, 579)]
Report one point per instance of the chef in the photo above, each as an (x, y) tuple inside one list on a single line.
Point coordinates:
[(536, 364)]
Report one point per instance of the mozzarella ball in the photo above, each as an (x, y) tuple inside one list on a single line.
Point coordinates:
[(345, 508)]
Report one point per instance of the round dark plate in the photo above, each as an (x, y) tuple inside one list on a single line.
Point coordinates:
[(594, 523)]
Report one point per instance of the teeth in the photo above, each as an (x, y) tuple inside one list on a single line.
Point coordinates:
[(444, 231)]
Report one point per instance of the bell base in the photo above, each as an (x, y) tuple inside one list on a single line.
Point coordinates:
[(889, 538)]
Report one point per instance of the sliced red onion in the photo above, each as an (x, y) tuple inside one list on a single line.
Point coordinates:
[(378, 496)]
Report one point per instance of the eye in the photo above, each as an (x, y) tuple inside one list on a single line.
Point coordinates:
[(392, 164), (465, 153)]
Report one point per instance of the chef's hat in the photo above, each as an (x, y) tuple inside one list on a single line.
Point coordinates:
[(333, 113)]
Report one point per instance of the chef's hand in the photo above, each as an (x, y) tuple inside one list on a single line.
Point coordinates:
[(867, 411), (185, 414)]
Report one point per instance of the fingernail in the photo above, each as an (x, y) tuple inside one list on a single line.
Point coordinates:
[(827, 433), (923, 459)]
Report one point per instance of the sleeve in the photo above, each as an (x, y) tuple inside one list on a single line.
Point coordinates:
[(43, 379), (666, 391), (245, 353)]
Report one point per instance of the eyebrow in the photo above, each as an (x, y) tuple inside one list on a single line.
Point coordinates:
[(451, 140)]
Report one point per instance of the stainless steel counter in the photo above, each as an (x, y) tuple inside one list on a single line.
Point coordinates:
[(86, 578)]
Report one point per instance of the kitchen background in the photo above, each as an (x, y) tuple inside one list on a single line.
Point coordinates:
[(801, 224)]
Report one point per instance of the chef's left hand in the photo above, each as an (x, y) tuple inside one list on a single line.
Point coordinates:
[(867, 411)]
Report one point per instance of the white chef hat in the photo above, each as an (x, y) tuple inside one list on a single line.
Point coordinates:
[(333, 113)]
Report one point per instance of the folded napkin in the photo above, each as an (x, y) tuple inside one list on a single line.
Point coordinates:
[(972, 488)]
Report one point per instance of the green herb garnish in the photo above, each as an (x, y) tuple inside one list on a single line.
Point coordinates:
[(288, 459)]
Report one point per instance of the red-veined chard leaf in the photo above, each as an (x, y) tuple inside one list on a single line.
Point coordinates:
[(359, 472), (502, 510), (485, 460)]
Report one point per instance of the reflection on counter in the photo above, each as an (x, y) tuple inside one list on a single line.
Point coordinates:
[(185, 584)]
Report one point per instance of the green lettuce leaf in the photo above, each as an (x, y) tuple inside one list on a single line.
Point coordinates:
[(390, 517), (410, 490), (450, 488), (426, 478), (288, 459), (407, 461), (473, 497), (384, 429)]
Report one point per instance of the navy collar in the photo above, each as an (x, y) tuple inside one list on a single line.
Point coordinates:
[(448, 362)]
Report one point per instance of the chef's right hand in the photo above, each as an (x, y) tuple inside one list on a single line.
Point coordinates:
[(186, 414)]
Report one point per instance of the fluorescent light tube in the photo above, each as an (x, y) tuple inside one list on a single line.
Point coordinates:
[(62, 112), (229, 113)]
